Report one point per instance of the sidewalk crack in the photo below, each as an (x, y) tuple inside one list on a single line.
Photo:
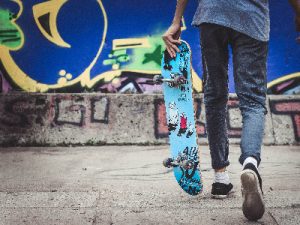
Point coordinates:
[(273, 218)]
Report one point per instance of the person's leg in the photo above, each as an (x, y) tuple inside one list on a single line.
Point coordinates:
[(214, 47), (249, 60)]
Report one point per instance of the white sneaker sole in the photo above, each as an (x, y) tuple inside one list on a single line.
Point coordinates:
[(253, 205)]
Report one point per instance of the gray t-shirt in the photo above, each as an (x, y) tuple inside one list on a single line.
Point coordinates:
[(250, 17)]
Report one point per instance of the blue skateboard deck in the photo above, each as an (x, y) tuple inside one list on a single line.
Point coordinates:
[(181, 120)]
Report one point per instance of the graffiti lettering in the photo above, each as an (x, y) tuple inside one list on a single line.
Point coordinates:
[(289, 108), (99, 108), (234, 118), (75, 110), (25, 113), (22, 112), (67, 111)]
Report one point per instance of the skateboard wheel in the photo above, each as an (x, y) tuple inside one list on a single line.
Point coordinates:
[(157, 79), (179, 80), (168, 162), (187, 164)]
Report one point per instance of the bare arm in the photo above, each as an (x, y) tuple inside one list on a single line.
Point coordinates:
[(172, 35), (296, 5), (180, 7)]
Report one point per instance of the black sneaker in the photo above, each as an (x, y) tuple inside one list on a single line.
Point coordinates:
[(253, 204), (220, 190)]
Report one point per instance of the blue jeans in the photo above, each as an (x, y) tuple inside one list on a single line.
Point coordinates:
[(249, 68)]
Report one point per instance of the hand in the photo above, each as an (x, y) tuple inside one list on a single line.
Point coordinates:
[(171, 39)]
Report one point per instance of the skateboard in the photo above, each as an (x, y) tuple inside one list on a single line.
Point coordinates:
[(176, 80)]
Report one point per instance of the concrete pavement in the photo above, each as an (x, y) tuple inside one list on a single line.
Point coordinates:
[(129, 185)]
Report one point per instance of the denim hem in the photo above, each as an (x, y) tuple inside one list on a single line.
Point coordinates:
[(220, 165)]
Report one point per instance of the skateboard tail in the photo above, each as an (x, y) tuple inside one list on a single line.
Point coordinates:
[(189, 182)]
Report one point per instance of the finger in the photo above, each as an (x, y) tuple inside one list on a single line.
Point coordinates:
[(170, 38), (169, 48), (172, 52), (165, 39), (176, 48), (168, 45), (169, 52), (173, 46)]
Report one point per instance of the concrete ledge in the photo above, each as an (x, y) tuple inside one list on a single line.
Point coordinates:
[(30, 119)]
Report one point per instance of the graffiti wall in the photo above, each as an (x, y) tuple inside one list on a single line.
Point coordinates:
[(95, 119), (114, 46)]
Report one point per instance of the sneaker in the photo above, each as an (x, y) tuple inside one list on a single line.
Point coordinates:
[(220, 190), (253, 205)]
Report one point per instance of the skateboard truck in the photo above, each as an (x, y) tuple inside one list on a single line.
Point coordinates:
[(178, 79), (186, 164), (173, 82)]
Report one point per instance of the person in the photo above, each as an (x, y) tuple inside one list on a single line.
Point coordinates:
[(243, 25), (296, 6)]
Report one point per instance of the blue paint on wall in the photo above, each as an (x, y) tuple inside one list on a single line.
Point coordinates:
[(80, 23)]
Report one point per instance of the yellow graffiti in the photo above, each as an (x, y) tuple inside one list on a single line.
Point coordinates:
[(21, 8), (197, 82), (183, 26), (50, 10), (27, 84), (282, 79), (86, 77), (17, 75)]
